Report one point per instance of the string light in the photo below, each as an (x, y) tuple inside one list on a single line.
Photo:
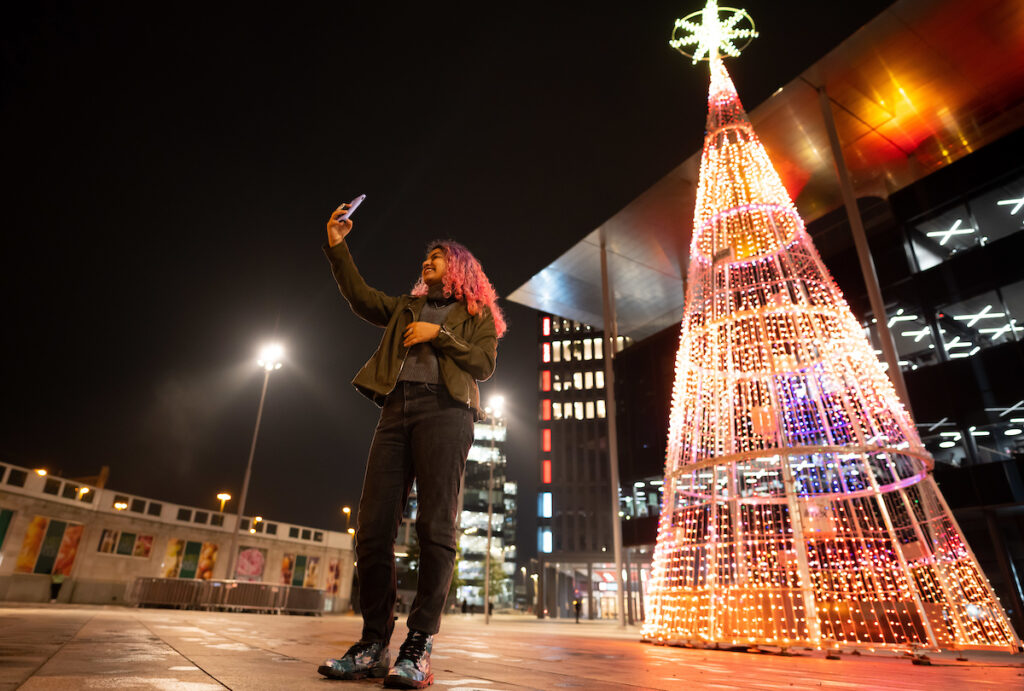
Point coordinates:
[(798, 505)]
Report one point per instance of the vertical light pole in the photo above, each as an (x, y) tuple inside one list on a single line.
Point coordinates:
[(270, 360), (493, 411), (348, 514)]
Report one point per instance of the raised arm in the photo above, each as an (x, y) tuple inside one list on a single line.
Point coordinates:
[(369, 303)]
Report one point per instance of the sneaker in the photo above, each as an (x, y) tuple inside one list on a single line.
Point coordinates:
[(364, 659), (412, 667)]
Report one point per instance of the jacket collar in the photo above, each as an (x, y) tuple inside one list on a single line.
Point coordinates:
[(456, 316)]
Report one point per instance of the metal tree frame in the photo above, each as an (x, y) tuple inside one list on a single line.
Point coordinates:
[(798, 504)]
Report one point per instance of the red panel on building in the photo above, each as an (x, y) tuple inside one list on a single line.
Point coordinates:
[(545, 472), (545, 440), (545, 380), (545, 409)]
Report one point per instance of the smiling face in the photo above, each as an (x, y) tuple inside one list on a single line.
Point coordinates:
[(434, 267)]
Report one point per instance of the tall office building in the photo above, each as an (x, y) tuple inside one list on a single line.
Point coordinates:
[(574, 534), (488, 448)]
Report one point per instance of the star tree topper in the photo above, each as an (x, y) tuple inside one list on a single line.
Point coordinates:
[(714, 34)]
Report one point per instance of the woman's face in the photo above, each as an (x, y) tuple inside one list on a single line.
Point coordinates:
[(434, 267)]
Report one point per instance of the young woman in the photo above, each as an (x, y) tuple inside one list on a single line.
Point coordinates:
[(438, 343)]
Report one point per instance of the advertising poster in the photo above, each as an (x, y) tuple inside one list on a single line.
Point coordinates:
[(143, 546), (34, 535), (190, 560), (333, 576), (250, 564), (108, 541), (312, 572), (126, 543), (300, 569), (51, 545), (5, 520), (68, 549), (172, 559), (207, 560), (287, 568)]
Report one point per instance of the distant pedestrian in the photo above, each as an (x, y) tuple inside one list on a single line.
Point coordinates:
[(438, 342), (465, 606), (56, 581), (578, 606)]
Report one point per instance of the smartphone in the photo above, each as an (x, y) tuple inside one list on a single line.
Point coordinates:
[(352, 206)]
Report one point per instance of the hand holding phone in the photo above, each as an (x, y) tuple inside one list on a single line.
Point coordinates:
[(339, 225), (352, 206)]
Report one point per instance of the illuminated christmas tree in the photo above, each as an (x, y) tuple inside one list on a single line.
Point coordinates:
[(798, 504)]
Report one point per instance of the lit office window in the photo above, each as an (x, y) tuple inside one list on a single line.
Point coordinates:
[(557, 383), (578, 409), (588, 380), (577, 350), (544, 540), (598, 348), (545, 440), (545, 472), (590, 410), (577, 380), (544, 505), (556, 351), (588, 349), (545, 380), (545, 409), (545, 327), (967, 327), (599, 379), (567, 351), (556, 410), (600, 408), (545, 352)]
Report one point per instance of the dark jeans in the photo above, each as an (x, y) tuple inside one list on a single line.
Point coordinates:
[(423, 434)]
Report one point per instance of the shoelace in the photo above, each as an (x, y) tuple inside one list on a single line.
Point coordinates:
[(359, 649), (413, 647)]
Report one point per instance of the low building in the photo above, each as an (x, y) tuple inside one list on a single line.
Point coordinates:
[(100, 541)]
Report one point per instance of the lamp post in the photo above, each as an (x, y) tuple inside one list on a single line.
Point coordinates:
[(493, 411), (224, 497), (269, 360), (348, 514)]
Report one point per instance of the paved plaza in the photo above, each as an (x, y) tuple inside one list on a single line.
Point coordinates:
[(82, 647)]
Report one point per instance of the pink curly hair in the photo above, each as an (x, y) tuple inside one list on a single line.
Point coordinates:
[(465, 280)]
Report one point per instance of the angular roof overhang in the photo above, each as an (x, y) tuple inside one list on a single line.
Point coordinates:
[(920, 86)]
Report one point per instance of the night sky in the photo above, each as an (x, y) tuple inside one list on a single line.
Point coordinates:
[(170, 170)]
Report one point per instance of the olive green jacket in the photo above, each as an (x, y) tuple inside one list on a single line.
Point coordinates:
[(466, 346)]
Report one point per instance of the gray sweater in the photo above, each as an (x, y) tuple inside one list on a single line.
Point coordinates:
[(421, 361)]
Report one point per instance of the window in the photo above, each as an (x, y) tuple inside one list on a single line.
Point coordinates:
[(598, 348), (544, 540), (578, 409), (556, 324), (318, 536), (577, 380), (567, 351), (967, 327), (545, 352), (119, 499), (306, 533), (590, 410), (70, 491), (52, 486), (545, 380), (588, 380), (137, 506), (293, 532), (217, 519), (545, 472), (17, 477), (184, 514), (557, 383), (544, 505), (545, 409), (545, 326), (577, 350), (600, 408), (556, 411), (588, 349), (271, 528), (599, 379), (567, 411), (156, 508), (545, 443), (556, 351), (201, 517)]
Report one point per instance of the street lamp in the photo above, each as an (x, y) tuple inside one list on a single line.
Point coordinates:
[(348, 514), (494, 412), (270, 360), (224, 497)]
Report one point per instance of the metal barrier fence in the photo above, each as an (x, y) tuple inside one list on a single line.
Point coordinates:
[(227, 596)]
